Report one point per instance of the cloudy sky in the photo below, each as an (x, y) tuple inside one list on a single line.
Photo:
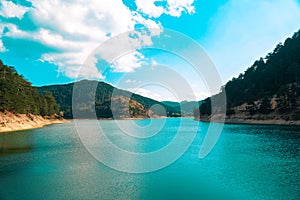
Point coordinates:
[(51, 42)]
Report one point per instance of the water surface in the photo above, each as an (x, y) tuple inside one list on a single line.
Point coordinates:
[(248, 162)]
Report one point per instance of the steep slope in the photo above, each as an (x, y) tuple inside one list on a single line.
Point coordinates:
[(21, 107), (185, 107), (105, 95), (268, 90), (17, 95)]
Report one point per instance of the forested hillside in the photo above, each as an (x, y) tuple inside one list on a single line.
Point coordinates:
[(270, 87), (185, 107), (17, 95), (139, 106)]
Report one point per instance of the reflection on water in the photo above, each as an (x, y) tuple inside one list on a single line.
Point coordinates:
[(15, 142), (248, 162)]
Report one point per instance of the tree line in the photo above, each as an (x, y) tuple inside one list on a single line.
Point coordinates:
[(17, 95), (277, 76), (104, 95)]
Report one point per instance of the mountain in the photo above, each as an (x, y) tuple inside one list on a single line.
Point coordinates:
[(172, 104), (106, 95), (186, 107), (17, 95), (268, 90)]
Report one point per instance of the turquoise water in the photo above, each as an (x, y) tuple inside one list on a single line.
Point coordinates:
[(248, 162)]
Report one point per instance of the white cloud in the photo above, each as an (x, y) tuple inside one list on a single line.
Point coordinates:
[(177, 7), (90, 70), (129, 62), (91, 19), (76, 28), (149, 23), (147, 93), (14, 32), (2, 48), (73, 29), (173, 8), (149, 8), (9, 9), (125, 43)]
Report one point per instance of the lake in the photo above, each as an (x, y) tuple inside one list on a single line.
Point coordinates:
[(248, 162)]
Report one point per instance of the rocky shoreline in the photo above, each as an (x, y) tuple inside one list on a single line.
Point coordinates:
[(16, 122), (263, 122), (257, 119)]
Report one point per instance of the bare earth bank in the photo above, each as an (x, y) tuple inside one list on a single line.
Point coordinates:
[(16, 122)]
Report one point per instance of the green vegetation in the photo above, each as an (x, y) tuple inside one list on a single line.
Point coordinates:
[(18, 95), (185, 107), (105, 94), (270, 85)]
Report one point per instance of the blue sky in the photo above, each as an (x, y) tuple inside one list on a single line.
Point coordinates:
[(49, 41)]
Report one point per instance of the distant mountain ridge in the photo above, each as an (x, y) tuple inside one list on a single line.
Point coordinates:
[(186, 107), (139, 106), (18, 96)]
